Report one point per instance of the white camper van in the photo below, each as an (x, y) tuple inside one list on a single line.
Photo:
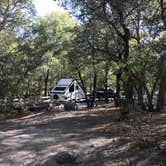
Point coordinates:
[(67, 89)]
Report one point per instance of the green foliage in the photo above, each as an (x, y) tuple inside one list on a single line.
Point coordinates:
[(129, 33), (51, 34), (112, 37), (30, 50), (15, 13)]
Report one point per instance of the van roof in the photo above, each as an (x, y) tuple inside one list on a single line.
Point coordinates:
[(65, 82)]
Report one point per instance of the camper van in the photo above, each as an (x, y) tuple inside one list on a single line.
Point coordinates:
[(67, 89)]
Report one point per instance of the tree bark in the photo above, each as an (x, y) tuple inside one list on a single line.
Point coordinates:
[(140, 96), (118, 88), (128, 85), (46, 83), (150, 95), (161, 96), (94, 89), (106, 83), (94, 78)]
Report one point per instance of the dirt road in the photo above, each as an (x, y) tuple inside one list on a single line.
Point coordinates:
[(66, 138)]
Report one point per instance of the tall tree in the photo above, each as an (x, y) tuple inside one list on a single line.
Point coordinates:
[(51, 32), (14, 12)]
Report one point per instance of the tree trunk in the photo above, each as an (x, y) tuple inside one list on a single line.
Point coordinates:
[(140, 96), (128, 85), (27, 91), (118, 88), (94, 89), (150, 102), (46, 83), (161, 96), (106, 83), (150, 96), (162, 84), (126, 39), (94, 78)]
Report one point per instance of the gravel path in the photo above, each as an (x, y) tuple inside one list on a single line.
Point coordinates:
[(33, 139), (65, 138)]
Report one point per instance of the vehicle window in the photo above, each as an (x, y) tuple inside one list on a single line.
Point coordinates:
[(71, 89), (77, 87), (58, 88)]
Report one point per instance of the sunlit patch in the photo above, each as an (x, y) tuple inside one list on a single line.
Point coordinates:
[(46, 7)]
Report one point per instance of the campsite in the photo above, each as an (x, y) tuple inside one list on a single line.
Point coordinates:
[(82, 83)]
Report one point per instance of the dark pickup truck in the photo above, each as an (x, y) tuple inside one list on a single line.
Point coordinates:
[(100, 94)]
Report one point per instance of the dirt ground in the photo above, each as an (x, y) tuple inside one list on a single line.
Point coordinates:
[(94, 137)]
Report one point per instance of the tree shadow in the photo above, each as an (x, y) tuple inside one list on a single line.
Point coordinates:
[(33, 140)]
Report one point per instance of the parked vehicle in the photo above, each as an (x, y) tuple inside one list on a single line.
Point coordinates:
[(101, 94), (67, 89)]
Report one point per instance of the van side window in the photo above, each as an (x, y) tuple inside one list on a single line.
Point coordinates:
[(77, 87), (71, 89)]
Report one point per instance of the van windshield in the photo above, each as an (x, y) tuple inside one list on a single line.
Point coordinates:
[(58, 88)]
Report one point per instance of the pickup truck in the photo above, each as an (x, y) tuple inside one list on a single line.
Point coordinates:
[(100, 94)]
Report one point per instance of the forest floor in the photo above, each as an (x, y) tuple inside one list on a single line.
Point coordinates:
[(94, 137)]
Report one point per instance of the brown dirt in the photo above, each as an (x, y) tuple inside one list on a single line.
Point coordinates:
[(96, 136)]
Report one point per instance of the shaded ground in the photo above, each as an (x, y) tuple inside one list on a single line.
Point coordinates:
[(96, 137)]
